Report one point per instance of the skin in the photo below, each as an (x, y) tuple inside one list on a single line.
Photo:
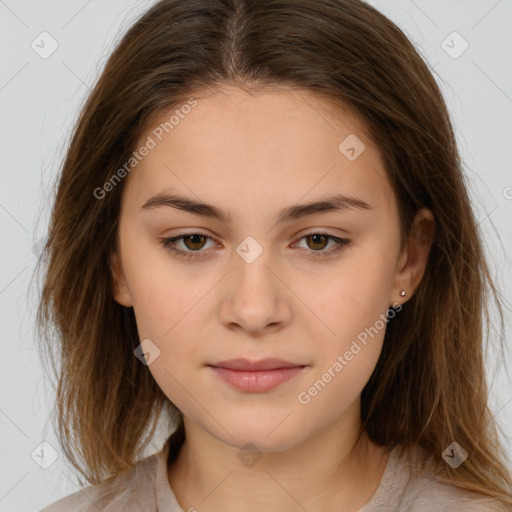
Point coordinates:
[(251, 155)]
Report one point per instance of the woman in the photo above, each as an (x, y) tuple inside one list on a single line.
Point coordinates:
[(262, 230)]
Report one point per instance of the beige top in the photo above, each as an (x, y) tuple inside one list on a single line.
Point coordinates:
[(145, 487)]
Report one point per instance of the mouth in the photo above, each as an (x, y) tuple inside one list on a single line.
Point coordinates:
[(256, 376)]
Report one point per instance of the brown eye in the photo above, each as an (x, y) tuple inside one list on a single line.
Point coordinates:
[(194, 242), (319, 241), (190, 243)]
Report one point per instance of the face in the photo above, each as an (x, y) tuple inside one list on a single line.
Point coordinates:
[(265, 278)]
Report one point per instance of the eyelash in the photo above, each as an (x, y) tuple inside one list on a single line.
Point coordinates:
[(169, 244)]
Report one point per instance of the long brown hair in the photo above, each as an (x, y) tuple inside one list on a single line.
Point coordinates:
[(429, 386)]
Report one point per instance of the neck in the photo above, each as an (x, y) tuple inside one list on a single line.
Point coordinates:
[(325, 471)]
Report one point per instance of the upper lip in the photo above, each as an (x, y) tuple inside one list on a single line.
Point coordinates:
[(262, 364)]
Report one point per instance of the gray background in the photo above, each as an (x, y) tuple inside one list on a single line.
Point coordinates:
[(39, 100)]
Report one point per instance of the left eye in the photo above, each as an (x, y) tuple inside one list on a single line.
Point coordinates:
[(319, 239), (194, 242)]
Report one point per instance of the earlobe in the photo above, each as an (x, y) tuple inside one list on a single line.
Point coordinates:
[(120, 293), (413, 260)]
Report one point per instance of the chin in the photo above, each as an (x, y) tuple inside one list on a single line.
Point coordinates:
[(264, 436)]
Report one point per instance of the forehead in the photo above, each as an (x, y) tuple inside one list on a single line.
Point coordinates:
[(275, 146)]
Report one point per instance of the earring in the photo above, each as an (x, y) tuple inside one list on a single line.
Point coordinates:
[(402, 293)]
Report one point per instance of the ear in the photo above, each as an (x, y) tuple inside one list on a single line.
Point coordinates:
[(413, 259), (121, 293)]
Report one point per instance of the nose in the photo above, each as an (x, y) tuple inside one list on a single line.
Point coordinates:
[(256, 299)]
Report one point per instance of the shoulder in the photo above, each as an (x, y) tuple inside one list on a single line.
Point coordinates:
[(410, 484), (126, 491), (425, 494), (425, 491)]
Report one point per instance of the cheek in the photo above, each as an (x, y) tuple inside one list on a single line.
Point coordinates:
[(353, 304), (160, 297), (354, 295), (354, 307)]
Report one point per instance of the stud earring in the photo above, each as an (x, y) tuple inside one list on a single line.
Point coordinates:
[(402, 293)]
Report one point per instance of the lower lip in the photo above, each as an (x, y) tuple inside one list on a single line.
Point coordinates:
[(257, 381)]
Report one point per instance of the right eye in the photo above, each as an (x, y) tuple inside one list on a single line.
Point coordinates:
[(194, 241)]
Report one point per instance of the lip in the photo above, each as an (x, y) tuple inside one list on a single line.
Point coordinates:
[(252, 366), (256, 376)]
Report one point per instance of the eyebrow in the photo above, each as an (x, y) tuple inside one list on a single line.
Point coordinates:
[(338, 202)]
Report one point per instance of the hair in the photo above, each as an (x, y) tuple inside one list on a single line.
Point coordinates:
[(429, 386)]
